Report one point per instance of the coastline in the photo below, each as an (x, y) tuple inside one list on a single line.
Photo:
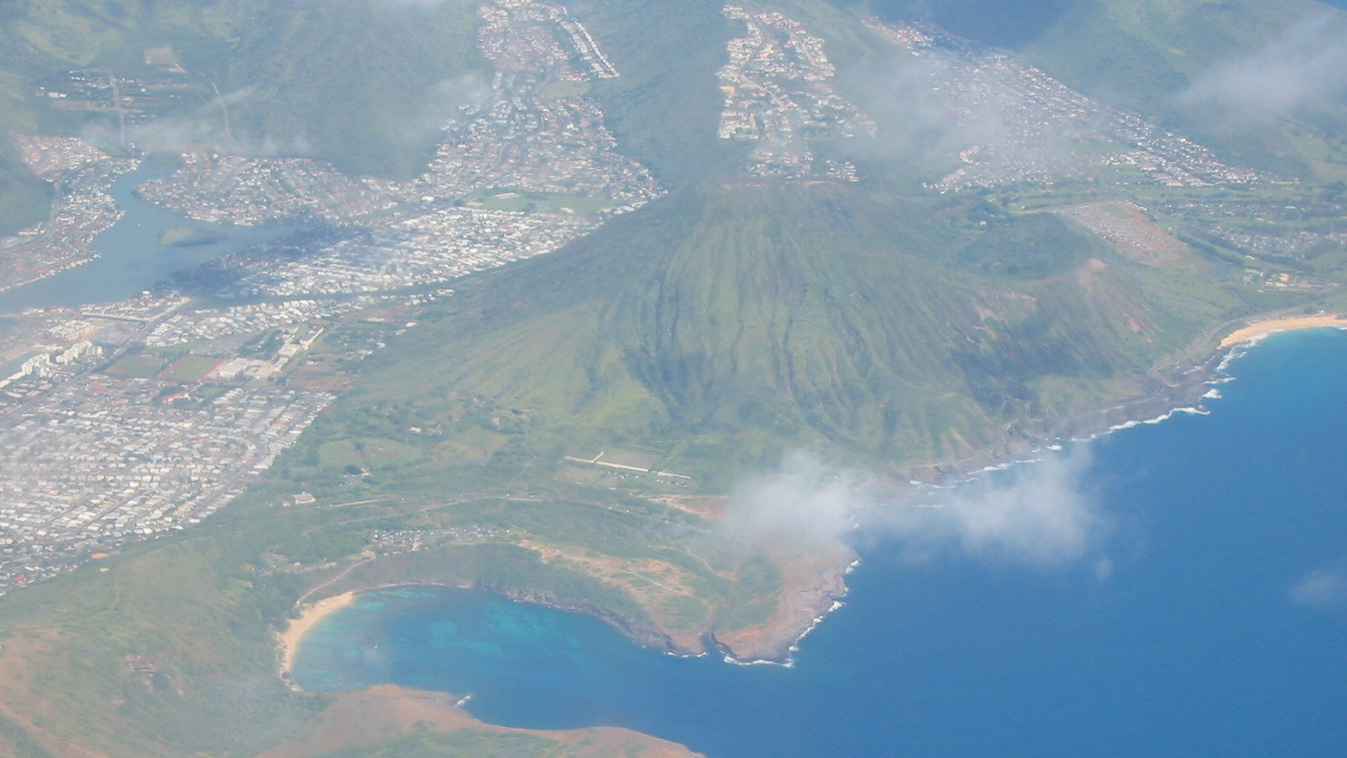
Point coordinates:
[(1189, 384), (309, 616), (59, 269), (362, 717), (810, 595), (776, 640), (1259, 329)]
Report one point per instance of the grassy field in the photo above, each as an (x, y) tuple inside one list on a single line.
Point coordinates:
[(518, 200), (136, 366), (192, 368), (367, 453), (564, 90)]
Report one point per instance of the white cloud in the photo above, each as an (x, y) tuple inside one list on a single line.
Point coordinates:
[(1306, 67), (443, 102), (1321, 588), (802, 500), (1037, 514)]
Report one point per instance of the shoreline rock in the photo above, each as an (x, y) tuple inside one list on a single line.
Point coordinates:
[(818, 582)]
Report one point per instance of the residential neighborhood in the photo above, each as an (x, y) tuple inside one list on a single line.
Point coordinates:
[(128, 419)]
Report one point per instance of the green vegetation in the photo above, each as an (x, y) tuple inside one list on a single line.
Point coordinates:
[(1143, 54), (136, 366), (363, 83), (369, 453), (665, 106), (24, 199), (176, 632), (567, 89), (397, 70), (18, 743), (190, 369), (498, 198), (175, 636), (185, 236), (265, 346), (1143, 51), (723, 325), (469, 743), (1034, 246)]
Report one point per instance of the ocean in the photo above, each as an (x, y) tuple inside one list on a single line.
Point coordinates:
[(1207, 615)]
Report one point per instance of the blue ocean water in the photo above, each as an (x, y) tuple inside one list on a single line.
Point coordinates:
[(1221, 628)]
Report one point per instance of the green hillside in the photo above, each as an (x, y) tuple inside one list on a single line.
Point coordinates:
[(665, 105), (729, 322), (364, 83), (1133, 50), (24, 199), (1136, 50)]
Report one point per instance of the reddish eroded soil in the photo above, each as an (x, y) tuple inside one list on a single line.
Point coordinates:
[(386, 711), (813, 578), (27, 709)]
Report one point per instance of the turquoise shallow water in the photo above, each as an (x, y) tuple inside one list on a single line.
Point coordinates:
[(1220, 627)]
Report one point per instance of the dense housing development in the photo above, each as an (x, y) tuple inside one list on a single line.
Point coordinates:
[(777, 93), (1026, 126), (123, 420)]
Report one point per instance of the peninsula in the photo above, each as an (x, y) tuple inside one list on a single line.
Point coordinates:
[(558, 288)]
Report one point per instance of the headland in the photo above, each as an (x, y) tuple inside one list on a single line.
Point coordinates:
[(365, 717)]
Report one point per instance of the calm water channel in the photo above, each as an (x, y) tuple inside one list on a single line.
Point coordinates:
[(131, 260)]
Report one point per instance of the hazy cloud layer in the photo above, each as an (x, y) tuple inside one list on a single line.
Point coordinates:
[(1322, 588), (927, 131), (409, 3), (913, 125), (443, 103), (1038, 514), (1306, 67), (803, 499), (208, 124)]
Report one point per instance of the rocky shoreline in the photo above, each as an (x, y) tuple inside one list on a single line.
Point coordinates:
[(1026, 438), (815, 583)]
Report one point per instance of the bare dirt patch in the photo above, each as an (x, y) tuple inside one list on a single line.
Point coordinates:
[(1130, 230), (386, 711)]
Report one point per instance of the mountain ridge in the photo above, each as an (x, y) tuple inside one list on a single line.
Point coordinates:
[(713, 328)]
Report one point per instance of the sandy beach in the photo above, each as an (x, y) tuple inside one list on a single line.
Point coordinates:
[(308, 616), (1263, 328)]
